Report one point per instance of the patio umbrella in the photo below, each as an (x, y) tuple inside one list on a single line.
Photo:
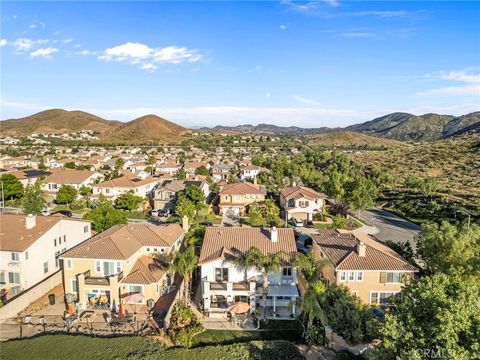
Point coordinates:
[(239, 307), (120, 311), (70, 309), (133, 299)]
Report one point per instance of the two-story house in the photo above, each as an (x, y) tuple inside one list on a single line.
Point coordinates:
[(113, 188), (235, 198), (222, 171), (250, 172), (371, 270), (300, 202), (75, 178), (191, 167), (30, 247), (167, 168), (123, 260), (224, 283), (165, 195)]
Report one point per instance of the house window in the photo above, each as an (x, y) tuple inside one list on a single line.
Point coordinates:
[(394, 277), (57, 261), (98, 267), (86, 228), (45, 267), (303, 204), (2, 278), (221, 274), (343, 276), (75, 286), (15, 290), (359, 275), (242, 298), (64, 238), (287, 272), (119, 266), (384, 298), (15, 256), (69, 264), (26, 255), (148, 249), (14, 278), (162, 250), (238, 198), (55, 242), (351, 276)]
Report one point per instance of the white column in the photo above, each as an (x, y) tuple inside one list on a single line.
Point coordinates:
[(274, 303)]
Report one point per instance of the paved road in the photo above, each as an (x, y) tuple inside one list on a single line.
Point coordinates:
[(391, 226)]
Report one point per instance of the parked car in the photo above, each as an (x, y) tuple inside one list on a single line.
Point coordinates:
[(67, 213), (163, 213), (297, 222), (154, 212), (45, 212)]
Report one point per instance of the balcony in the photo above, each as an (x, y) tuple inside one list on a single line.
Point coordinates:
[(241, 286), (100, 280), (218, 286)]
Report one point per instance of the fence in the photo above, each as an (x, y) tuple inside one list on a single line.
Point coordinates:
[(19, 328), (24, 299), (178, 293)]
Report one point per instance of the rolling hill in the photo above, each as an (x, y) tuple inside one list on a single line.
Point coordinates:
[(349, 138), (148, 128), (56, 121)]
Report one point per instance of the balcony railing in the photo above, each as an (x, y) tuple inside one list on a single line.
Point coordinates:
[(241, 286), (218, 286)]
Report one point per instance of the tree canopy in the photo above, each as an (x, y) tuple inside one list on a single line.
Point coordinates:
[(66, 194), (33, 200), (12, 187), (128, 201), (105, 215)]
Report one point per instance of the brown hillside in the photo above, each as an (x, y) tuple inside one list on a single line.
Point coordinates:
[(56, 121), (349, 138), (148, 128)]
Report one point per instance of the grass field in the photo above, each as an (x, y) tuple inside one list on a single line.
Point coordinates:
[(133, 348)]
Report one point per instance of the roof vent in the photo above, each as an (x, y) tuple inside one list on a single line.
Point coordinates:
[(361, 249), (30, 221)]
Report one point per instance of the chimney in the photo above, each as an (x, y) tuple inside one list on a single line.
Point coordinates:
[(30, 221), (361, 247), (274, 234), (185, 225), (255, 182)]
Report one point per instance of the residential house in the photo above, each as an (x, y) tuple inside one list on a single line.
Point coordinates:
[(371, 270), (75, 178), (30, 246), (191, 167), (165, 195), (167, 168), (115, 187), (250, 172), (222, 171), (224, 283), (123, 260), (235, 198), (29, 177), (301, 202)]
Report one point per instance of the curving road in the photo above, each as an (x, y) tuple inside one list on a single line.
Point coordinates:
[(391, 226)]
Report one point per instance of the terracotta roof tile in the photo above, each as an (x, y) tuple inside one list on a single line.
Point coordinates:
[(146, 270), (243, 188), (68, 176), (296, 192)]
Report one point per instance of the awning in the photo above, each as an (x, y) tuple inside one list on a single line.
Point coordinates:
[(280, 290)]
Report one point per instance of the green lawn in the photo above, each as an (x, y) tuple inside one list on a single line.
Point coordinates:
[(277, 330), (135, 348), (65, 207)]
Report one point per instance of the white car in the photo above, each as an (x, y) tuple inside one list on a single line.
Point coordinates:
[(45, 212), (297, 222), (155, 212)]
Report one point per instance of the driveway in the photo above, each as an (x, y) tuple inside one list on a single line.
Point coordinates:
[(391, 227), (229, 219)]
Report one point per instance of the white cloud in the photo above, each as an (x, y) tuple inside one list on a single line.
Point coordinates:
[(305, 100), (25, 44), (85, 52), (136, 53), (268, 94), (67, 41), (382, 14), (283, 27), (148, 67), (44, 52), (469, 83), (3, 42), (332, 2), (301, 7), (255, 69)]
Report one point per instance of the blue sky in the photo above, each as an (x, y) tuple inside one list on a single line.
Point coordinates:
[(309, 64)]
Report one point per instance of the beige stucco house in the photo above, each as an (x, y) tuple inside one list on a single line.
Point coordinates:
[(372, 271), (236, 197), (123, 260), (301, 202)]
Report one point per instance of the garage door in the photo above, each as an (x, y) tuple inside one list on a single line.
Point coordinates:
[(300, 215), (232, 210)]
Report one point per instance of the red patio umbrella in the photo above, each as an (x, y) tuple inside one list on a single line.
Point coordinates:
[(120, 311), (70, 309)]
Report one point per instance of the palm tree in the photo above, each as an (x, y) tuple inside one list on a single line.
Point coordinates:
[(184, 263), (264, 264), (310, 266), (310, 305)]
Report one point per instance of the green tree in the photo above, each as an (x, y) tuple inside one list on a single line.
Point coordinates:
[(255, 217), (202, 170), (128, 201), (195, 195), (33, 200), (265, 264), (440, 314), (119, 163), (70, 165), (450, 249), (310, 266), (12, 187), (184, 263), (66, 194), (361, 193), (105, 215), (185, 207), (85, 191), (271, 212), (181, 174), (334, 184)]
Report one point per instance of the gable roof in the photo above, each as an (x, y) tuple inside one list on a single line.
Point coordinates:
[(341, 248), (243, 188), (126, 181), (122, 241), (297, 192), (15, 236), (68, 176), (146, 270), (230, 242)]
